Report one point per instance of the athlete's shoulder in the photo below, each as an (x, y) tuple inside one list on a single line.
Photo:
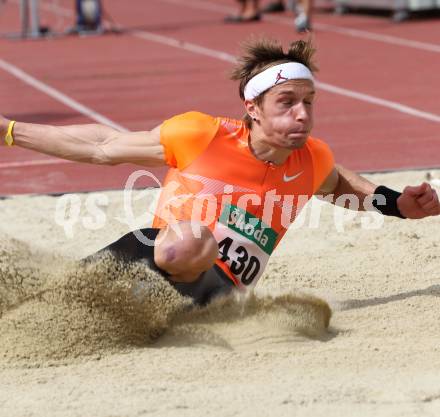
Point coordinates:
[(230, 125), (317, 145), (323, 160), (233, 129), (320, 150), (194, 120), (186, 135)]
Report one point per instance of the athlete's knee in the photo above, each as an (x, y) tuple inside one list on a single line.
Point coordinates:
[(185, 251)]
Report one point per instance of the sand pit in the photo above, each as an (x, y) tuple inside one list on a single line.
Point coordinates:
[(97, 340)]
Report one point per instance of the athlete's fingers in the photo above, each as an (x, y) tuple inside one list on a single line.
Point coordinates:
[(426, 197), (435, 196), (416, 190), (425, 186), (433, 206), (409, 190), (429, 198), (3, 126)]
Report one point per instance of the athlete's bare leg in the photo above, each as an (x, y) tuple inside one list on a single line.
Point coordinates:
[(303, 21), (249, 11), (187, 256), (307, 6), (250, 8)]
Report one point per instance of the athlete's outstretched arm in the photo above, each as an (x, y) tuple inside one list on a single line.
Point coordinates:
[(343, 181), (92, 143), (415, 202)]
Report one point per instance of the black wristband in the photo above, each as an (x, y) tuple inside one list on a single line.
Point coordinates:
[(390, 207)]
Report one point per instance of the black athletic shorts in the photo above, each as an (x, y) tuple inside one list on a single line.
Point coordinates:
[(212, 283)]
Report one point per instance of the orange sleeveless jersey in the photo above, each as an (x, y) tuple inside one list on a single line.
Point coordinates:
[(215, 180)]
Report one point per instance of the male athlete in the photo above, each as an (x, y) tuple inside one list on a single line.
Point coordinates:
[(233, 186)]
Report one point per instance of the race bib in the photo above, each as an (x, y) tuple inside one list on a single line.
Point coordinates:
[(245, 243)]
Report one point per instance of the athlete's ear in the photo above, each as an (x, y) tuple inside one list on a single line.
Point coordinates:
[(252, 109)]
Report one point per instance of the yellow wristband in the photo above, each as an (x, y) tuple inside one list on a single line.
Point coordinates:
[(9, 138)]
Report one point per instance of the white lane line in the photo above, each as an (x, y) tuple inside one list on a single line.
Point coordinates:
[(187, 46), (58, 95), (379, 101), (355, 33), (371, 36), (35, 162), (204, 5)]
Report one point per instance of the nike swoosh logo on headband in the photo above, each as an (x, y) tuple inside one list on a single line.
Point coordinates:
[(288, 179)]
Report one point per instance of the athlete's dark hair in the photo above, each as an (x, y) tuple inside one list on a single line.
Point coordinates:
[(260, 54)]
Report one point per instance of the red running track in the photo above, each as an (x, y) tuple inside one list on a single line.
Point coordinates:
[(175, 56)]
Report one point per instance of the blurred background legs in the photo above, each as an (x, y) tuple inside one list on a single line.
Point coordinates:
[(301, 8), (303, 20), (88, 17), (276, 6), (249, 12)]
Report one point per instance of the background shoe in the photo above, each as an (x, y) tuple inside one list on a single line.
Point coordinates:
[(241, 19), (302, 23), (274, 7)]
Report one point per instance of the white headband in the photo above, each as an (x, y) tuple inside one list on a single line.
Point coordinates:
[(274, 76)]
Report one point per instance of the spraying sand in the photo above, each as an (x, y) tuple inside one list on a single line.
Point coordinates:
[(108, 339), (53, 316)]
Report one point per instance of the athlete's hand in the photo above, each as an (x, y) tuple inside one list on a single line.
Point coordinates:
[(3, 127), (419, 202)]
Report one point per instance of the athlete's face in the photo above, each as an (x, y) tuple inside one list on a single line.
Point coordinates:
[(286, 114)]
